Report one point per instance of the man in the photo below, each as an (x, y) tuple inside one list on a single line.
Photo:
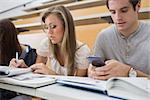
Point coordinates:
[(126, 43)]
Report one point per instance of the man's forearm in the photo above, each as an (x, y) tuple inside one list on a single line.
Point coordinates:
[(141, 74)]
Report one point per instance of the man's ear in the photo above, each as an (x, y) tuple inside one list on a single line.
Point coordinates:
[(138, 6)]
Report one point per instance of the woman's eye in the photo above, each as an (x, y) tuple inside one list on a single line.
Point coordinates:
[(52, 26)]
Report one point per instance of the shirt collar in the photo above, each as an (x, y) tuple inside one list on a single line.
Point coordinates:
[(132, 35)]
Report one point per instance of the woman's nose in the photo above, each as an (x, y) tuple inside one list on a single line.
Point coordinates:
[(50, 31)]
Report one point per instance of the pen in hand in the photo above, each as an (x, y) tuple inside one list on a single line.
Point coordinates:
[(16, 62), (17, 57)]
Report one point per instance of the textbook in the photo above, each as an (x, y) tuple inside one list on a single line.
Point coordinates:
[(120, 87), (11, 71), (24, 77), (29, 80)]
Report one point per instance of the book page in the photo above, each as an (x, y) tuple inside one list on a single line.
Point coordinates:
[(137, 82), (28, 76), (85, 82), (29, 80), (17, 71), (4, 70), (10, 71), (149, 86), (128, 88)]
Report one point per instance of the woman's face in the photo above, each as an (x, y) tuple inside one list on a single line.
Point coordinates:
[(55, 28)]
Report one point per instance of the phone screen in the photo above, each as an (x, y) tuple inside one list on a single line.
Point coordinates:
[(96, 61)]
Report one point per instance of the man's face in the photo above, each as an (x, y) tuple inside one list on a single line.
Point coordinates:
[(123, 14)]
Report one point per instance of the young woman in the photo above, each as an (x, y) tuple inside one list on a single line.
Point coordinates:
[(66, 55), (9, 45)]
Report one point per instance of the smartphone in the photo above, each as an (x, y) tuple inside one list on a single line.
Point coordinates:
[(96, 61)]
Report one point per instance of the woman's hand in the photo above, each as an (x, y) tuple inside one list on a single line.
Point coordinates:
[(41, 68), (17, 63)]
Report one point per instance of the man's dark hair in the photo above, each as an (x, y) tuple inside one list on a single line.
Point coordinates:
[(133, 2)]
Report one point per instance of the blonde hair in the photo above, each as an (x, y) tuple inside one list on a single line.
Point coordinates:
[(68, 45)]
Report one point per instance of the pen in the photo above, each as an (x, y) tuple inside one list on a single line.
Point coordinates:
[(17, 56)]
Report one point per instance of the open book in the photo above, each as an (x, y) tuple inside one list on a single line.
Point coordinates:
[(121, 87), (24, 77), (11, 71), (29, 80)]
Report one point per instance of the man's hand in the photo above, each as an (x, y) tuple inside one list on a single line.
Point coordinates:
[(112, 68)]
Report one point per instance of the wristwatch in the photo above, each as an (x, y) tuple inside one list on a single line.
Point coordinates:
[(132, 72)]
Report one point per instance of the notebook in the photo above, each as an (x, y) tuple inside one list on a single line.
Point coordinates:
[(24, 77), (120, 87)]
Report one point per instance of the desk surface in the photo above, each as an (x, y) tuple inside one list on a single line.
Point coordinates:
[(60, 92), (57, 92), (19, 89)]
